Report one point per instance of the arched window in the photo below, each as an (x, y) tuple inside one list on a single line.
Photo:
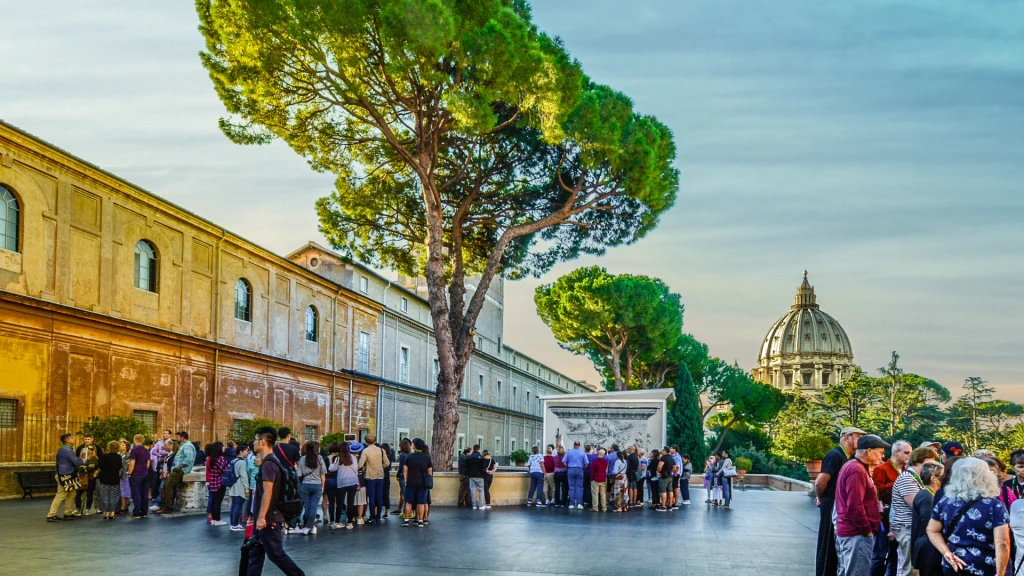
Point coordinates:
[(243, 300), (9, 212), (312, 324), (145, 266)]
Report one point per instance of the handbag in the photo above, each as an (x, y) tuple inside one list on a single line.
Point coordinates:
[(69, 482), (428, 481), (729, 472)]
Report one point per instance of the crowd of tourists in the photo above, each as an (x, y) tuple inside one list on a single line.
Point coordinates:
[(275, 484), (599, 478), (932, 509)]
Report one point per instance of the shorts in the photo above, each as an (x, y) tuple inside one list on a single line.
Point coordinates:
[(632, 483), (416, 496), (666, 481), (675, 482)]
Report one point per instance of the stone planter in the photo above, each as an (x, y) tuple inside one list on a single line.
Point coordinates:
[(741, 474), (813, 468), (521, 464)]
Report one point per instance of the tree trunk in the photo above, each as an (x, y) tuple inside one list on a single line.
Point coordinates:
[(725, 431)]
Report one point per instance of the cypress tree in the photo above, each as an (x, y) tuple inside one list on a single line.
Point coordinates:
[(685, 425)]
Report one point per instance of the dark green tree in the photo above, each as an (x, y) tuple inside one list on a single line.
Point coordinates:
[(751, 403), (104, 430), (613, 319), (685, 421), (850, 398), (465, 143), (976, 419)]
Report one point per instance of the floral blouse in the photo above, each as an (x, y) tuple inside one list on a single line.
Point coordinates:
[(973, 539)]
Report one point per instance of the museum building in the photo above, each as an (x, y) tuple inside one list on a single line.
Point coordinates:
[(805, 350), (114, 301)]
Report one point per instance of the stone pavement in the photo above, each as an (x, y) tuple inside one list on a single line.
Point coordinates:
[(765, 533)]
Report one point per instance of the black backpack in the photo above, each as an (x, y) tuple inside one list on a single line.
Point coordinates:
[(289, 501)]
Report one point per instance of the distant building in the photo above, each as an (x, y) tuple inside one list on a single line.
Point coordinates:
[(806, 349)]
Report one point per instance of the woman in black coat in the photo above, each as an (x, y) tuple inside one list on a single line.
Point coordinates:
[(923, 554)]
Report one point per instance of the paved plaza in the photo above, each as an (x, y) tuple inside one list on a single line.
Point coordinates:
[(766, 533)]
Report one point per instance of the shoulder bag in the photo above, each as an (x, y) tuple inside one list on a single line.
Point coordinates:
[(947, 531)]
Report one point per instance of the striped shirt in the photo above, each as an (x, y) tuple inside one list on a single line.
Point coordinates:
[(907, 484)]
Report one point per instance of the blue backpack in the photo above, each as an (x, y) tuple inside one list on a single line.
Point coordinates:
[(230, 478)]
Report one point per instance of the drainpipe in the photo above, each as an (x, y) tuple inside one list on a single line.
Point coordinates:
[(216, 336), (384, 326)]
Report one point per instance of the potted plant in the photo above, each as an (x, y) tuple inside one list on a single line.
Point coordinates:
[(743, 465), (519, 457), (811, 448)]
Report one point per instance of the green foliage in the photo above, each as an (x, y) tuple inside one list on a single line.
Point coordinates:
[(812, 447), (977, 420), (802, 415), (685, 423), (908, 404), (519, 456), (332, 438), (719, 381), (741, 434), (104, 430), (768, 463), (614, 319), (852, 397), (743, 463), (751, 403), (464, 142), (245, 430)]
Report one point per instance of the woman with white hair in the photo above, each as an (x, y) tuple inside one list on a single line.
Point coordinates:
[(969, 525)]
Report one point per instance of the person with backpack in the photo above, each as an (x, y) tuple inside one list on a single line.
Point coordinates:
[(275, 498), (373, 461), (236, 484)]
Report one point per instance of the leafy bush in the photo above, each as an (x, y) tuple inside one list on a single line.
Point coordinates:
[(744, 464), (811, 446), (768, 463), (519, 456), (245, 430), (104, 430), (331, 438)]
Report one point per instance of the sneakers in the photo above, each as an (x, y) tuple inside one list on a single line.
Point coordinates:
[(488, 507), (238, 528), (87, 513), (360, 521), (218, 523), (349, 526), (419, 524), (686, 502), (476, 507), (578, 506), (405, 523), (660, 509), (313, 530), (53, 519), (540, 504)]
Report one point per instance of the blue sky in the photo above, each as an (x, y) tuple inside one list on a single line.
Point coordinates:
[(879, 145)]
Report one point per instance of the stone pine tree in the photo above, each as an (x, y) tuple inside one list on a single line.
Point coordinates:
[(615, 319), (685, 421), (466, 143)]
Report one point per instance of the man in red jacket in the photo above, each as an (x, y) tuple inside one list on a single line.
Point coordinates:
[(884, 559), (857, 510)]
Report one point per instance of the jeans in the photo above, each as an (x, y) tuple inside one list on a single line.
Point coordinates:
[(140, 494), (333, 501), (216, 503), (826, 560), (172, 481), (588, 492), (883, 559), (726, 489), (562, 488), (374, 497), (310, 494), (269, 545), (599, 492), (684, 490), (655, 483), (476, 492), (237, 505), (536, 487), (575, 486), (854, 555)]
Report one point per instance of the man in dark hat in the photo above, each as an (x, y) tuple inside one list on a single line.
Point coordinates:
[(951, 449), (857, 512)]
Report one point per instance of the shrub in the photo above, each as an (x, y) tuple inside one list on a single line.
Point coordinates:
[(744, 464), (768, 463), (104, 430), (811, 446), (519, 456), (245, 430), (328, 439)]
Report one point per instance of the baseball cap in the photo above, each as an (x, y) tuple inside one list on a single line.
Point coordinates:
[(851, 430), (936, 445), (871, 441), (951, 449)]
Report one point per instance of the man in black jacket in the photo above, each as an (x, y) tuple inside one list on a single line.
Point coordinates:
[(632, 468), (476, 469)]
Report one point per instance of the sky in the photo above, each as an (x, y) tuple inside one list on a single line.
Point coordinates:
[(878, 145)]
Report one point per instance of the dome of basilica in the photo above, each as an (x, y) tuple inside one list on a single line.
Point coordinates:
[(806, 349)]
